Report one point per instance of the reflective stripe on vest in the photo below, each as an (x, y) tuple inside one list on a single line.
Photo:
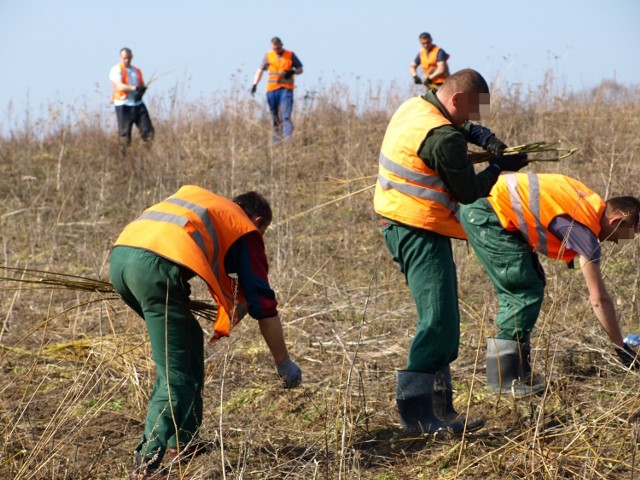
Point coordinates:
[(528, 203), (278, 65), (195, 228), (534, 206), (422, 190), (407, 190), (182, 221)]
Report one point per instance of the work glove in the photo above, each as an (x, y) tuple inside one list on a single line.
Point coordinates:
[(139, 92), (495, 145), (485, 138), (417, 80), (511, 162), (253, 89), (628, 357), (289, 73), (290, 373)]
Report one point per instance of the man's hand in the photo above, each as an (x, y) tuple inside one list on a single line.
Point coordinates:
[(139, 92), (628, 357), (290, 373), (484, 138), (511, 163), (495, 145), (417, 80), (289, 73), (253, 89)]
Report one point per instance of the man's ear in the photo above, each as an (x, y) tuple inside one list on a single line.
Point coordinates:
[(615, 218), (455, 98), (257, 220)]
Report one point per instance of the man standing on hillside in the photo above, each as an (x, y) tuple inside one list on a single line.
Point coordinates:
[(282, 65), (128, 89), (423, 173), (193, 232), (561, 218), (433, 61)]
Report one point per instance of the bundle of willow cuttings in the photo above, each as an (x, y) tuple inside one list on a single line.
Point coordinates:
[(41, 279), (551, 152)]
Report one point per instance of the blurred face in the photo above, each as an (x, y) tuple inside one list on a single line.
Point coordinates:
[(470, 106), (622, 231), (125, 58), (277, 47), (426, 43)]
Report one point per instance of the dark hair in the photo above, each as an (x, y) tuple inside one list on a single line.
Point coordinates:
[(467, 80), (628, 206), (425, 36), (254, 205), (276, 41), (127, 50)]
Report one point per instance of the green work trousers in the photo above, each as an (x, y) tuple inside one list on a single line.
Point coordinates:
[(513, 268), (156, 290), (426, 260)]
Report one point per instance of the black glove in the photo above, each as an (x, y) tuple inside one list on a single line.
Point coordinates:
[(289, 73), (290, 373), (253, 90), (483, 137), (628, 357), (139, 92), (495, 145), (417, 80), (511, 163)]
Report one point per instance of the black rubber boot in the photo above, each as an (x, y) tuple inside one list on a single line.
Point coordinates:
[(414, 397), (509, 369), (443, 401)]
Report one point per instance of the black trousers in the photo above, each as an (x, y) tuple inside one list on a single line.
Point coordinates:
[(129, 116)]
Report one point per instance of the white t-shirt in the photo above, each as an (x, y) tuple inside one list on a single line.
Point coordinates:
[(116, 76)]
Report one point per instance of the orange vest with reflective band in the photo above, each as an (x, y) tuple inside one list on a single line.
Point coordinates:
[(121, 94), (195, 228), (428, 61), (527, 203), (407, 190), (277, 66)]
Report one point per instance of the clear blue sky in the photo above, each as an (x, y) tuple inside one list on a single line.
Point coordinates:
[(60, 51)]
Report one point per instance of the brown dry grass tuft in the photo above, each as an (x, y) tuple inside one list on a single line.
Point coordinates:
[(76, 366)]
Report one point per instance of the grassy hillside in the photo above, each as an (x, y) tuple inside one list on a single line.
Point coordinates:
[(76, 368)]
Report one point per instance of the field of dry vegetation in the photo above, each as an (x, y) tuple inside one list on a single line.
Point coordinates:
[(76, 369)]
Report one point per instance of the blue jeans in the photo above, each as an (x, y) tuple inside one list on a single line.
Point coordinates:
[(281, 104)]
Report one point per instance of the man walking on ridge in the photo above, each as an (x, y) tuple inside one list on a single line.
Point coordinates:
[(433, 61), (193, 232), (561, 218), (128, 89), (423, 174), (282, 65)]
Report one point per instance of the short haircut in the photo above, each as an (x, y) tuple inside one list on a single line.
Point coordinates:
[(628, 206), (126, 50), (255, 205), (467, 80), (425, 36), (276, 41)]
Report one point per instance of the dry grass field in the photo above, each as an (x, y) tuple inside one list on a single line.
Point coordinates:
[(76, 369)]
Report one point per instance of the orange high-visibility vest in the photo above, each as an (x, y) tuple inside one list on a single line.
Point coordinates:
[(428, 61), (121, 94), (407, 190), (195, 228), (278, 65), (527, 203)]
